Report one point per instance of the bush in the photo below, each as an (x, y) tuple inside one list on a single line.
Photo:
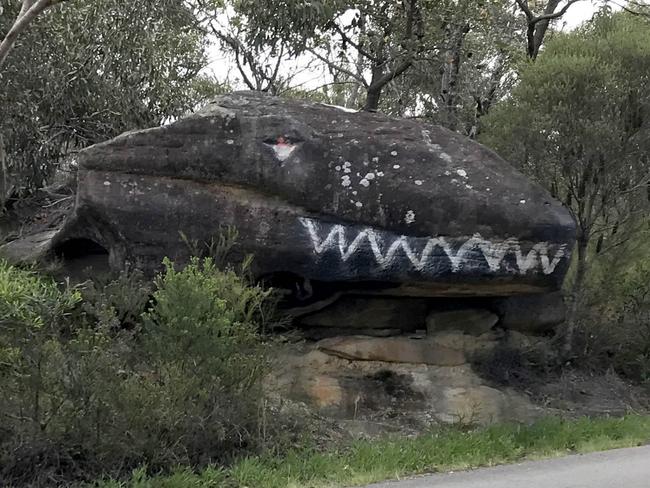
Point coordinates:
[(614, 328), (208, 314), (83, 395), (117, 302)]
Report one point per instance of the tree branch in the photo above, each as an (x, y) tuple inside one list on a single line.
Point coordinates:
[(354, 44), (538, 24), (29, 11), (339, 68), (555, 15), (523, 5)]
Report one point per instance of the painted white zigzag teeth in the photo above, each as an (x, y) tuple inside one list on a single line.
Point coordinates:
[(494, 252)]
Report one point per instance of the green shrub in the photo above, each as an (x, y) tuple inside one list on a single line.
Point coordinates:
[(614, 327), (201, 343), (29, 299), (211, 316), (117, 301), (84, 396)]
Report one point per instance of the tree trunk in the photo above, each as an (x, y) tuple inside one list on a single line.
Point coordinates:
[(373, 91), (373, 95), (353, 99), (30, 10), (4, 187), (450, 73), (537, 30)]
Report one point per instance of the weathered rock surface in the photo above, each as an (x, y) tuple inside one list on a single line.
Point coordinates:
[(319, 333), (371, 313), (348, 389), (472, 346), (325, 195), (473, 321), (28, 249), (536, 313), (392, 350)]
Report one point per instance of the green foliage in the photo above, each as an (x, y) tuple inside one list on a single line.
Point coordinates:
[(91, 385), (577, 122), (479, 47), (460, 53), (86, 71), (614, 327), (116, 302), (293, 22), (577, 119), (28, 299), (212, 317), (440, 451)]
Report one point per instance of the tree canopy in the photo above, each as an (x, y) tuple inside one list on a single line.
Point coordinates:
[(87, 71), (579, 122)]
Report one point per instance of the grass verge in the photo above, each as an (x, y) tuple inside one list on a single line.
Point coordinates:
[(392, 458)]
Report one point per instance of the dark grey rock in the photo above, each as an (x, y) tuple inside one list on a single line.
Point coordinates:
[(28, 249), (357, 312), (535, 314), (326, 195), (473, 321)]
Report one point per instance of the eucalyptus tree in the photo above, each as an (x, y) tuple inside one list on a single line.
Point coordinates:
[(29, 11), (579, 122), (89, 70), (537, 23), (480, 53), (366, 43)]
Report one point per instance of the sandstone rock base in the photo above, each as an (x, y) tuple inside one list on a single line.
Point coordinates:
[(363, 389)]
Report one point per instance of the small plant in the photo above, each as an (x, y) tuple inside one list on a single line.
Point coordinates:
[(117, 302), (218, 248), (212, 317)]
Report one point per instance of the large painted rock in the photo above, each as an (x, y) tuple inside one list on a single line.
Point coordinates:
[(325, 195)]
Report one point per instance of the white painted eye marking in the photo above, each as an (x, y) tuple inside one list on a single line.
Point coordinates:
[(283, 151), (283, 148)]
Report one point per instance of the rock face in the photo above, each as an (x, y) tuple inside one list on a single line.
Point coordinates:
[(327, 196), (392, 350), (536, 313), (356, 312), (407, 248), (470, 320), (383, 391)]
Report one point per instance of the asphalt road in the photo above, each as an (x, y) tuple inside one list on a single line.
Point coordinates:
[(621, 468)]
